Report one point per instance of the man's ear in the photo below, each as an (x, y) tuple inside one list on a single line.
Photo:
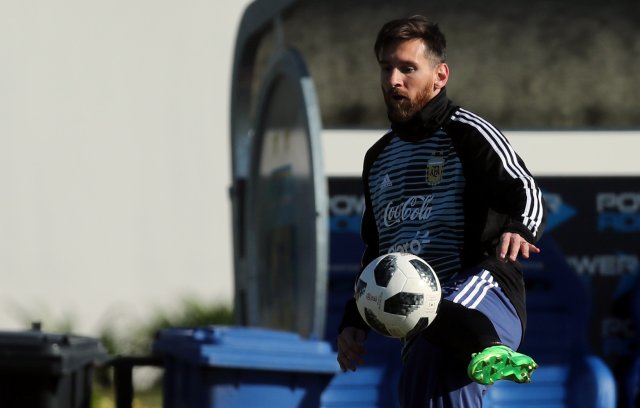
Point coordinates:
[(441, 76)]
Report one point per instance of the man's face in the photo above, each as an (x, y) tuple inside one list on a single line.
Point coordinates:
[(409, 78)]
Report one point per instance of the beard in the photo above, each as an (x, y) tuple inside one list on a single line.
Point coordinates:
[(401, 110)]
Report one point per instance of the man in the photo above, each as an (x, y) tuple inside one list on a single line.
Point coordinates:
[(481, 211)]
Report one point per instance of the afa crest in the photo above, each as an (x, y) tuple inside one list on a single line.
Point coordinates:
[(435, 168)]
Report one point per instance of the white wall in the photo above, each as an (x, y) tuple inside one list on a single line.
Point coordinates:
[(114, 157)]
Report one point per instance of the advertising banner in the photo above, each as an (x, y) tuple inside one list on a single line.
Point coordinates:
[(596, 223)]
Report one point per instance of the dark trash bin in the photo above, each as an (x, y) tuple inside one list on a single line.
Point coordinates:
[(47, 370), (243, 367)]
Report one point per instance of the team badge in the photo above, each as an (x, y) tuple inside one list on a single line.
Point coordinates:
[(435, 168)]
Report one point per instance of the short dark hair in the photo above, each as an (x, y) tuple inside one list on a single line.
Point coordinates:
[(409, 28)]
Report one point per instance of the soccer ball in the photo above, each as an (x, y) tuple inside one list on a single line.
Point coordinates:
[(398, 294)]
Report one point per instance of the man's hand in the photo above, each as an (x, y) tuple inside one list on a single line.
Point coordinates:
[(351, 348), (511, 245)]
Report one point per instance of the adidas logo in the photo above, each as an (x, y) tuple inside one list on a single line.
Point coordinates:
[(386, 182)]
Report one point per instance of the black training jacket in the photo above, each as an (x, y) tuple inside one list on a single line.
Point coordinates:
[(445, 186)]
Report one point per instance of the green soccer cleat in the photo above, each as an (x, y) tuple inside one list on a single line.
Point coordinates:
[(500, 363)]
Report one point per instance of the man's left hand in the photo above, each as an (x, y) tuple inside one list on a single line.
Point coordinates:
[(511, 245)]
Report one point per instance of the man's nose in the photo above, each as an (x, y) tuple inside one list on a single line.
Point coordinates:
[(395, 78)]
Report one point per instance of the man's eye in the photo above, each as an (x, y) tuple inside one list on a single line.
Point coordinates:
[(407, 70)]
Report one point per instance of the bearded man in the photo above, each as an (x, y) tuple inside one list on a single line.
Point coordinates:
[(485, 210)]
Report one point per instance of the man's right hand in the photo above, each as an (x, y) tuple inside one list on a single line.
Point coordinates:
[(351, 348)]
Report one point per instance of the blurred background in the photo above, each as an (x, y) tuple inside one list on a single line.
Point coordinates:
[(544, 65), (114, 125)]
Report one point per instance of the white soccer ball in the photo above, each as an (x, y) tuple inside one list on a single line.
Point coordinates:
[(398, 294)]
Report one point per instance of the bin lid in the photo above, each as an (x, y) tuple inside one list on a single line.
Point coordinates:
[(247, 348), (48, 353)]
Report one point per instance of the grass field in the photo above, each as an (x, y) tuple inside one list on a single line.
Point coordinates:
[(104, 397)]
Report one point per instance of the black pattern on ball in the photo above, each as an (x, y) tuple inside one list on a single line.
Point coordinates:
[(375, 324), (384, 271), (425, 272), (361, 286), (403, 303)]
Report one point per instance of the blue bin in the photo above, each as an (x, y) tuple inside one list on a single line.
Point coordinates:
[(230, 367)]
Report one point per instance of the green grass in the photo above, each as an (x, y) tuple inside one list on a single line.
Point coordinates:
[(104, 397), (139, 339)]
